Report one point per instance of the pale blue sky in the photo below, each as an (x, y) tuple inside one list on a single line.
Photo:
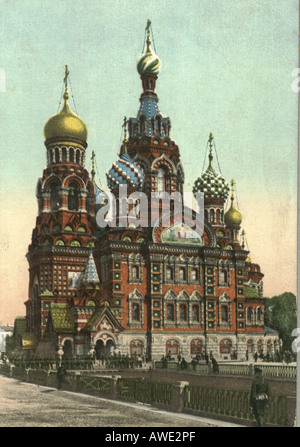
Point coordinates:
[(226, 69)]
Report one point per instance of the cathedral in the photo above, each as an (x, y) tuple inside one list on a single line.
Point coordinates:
[(146, 289)]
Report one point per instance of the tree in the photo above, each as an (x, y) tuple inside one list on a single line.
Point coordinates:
[(10, 344), (281, 315)]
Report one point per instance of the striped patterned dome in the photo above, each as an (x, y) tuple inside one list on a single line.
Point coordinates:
[(125, 172), (149, 62), (212, 184)]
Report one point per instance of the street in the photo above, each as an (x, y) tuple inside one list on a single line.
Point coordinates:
[(29, 405)]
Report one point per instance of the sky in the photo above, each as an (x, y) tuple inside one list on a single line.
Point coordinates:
[(226, 68)]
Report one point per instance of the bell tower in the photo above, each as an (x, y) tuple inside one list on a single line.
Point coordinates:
[(64, 232), (150, 144)]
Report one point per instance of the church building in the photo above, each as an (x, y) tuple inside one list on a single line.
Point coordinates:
[(151, 289)]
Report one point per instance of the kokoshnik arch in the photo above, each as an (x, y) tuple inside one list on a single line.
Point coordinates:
[(148, 290)]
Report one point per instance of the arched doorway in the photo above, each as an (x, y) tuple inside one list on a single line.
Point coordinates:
[(250, 346), (68, 349), (104, 348)]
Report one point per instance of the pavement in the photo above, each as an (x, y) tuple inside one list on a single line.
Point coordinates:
[(29, 405)]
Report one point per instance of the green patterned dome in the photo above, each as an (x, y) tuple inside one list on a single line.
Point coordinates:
[(212, 184), (149, 62)]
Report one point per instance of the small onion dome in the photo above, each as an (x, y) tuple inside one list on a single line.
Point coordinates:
[(212, 184), (125, 172), (248, 259), (232, 217), (65, 124)]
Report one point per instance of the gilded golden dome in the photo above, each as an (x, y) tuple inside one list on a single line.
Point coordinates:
[(65, 124), (232, 217)]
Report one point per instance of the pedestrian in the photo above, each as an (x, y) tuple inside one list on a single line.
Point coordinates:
[(184, 364), (215, 365), (61, 372), (259, 397)]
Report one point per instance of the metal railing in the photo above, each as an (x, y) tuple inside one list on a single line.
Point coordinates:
[(145, 391), (279, 371), (233, 403)]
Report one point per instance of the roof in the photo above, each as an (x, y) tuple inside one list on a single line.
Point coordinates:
[(250, 292), (99, 314), (62, 317), (269, 329), (90, 274)]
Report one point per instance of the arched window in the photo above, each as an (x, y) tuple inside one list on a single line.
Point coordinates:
[(169, 273), (161, 181), (59, 242), (194, 275), (73, 196), (218, 217), (196, 347), (224, 313), (134, 272), (142, 125), (56, 155), (91, 303), (223, 277), (225, 346), (172, 347), (71, 155), (212, 216), (249, 315), (182, 274), (170, 312), (183, 312), (64, 154), (136, 312), (259, 346), (196, 313), (259, 315), (54, 197), (78, 156), (136, 347)]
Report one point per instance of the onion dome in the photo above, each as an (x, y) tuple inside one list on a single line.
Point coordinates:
[(149, 62), (232, 217), (211, 183), (124, 171), (66, 123)]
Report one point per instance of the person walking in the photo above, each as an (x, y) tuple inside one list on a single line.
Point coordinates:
[(259, 396)]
